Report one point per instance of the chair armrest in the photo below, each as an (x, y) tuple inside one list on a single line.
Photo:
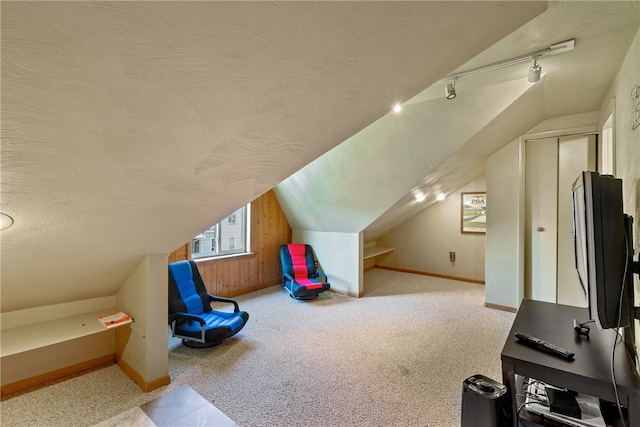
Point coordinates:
[(227, 300), (287, 276), (321, 275), (186, 316), (173, 317)]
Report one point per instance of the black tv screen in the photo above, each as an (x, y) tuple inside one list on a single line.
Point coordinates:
[(600, 247)]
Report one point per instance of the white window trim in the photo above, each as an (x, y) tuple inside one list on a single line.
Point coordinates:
[(218, 238)]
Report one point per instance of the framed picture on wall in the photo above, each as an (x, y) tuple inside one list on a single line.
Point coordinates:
[(473, 213)]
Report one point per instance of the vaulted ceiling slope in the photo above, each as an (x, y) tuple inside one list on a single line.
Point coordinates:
[(357, 181), (129, 127), (370, 182)]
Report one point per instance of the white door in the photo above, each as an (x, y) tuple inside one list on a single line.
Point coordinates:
[(552, 165), (541, 184)]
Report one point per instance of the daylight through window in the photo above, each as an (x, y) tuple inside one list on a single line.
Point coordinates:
[(229, 236)]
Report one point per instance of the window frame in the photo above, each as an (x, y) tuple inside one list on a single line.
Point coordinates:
[(239, 218)]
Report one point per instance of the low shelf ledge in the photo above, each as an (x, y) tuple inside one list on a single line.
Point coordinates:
[(374, 251), (24, 338)]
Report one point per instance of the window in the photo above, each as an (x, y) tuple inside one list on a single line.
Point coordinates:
[(196, 245), (229, 236)]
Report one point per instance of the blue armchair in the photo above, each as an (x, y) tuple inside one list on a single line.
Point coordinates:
[(190, 314)]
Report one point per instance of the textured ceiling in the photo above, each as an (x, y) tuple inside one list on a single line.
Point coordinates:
[(573, 83), (467, 162), (128, 127), (438, 146), (364, 176)]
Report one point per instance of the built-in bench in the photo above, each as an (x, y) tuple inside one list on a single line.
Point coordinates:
[(35, 342)]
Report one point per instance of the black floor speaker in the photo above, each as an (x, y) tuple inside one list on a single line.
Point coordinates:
[(485, 403)]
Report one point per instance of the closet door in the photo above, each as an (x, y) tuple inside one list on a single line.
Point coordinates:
[(541, 185), (552, 165)]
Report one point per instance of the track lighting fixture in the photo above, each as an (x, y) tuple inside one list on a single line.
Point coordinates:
[(450, 90), (534, 72)]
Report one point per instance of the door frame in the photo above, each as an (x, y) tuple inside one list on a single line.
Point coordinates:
[(580, 130)]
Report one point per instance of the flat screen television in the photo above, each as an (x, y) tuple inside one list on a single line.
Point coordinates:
[(604, 258), (601, 251)]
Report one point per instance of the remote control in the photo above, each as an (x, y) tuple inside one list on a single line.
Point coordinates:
[(544, 346)]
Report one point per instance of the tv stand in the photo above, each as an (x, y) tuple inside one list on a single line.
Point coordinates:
[(589, 373)]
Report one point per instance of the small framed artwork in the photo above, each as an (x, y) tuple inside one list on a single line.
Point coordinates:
[(473, 213)]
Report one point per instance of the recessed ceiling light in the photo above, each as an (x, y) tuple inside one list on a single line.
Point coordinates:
[(5, 221), (397, 108), (440, 197), (420, 197)]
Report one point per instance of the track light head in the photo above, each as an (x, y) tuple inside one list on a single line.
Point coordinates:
[(534, 72), (450, 90)]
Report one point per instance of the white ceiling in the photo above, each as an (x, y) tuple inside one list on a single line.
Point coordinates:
[(128, 127), (369, 182), (352, 185)]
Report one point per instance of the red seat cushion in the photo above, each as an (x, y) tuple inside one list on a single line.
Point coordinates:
[(300, 267)]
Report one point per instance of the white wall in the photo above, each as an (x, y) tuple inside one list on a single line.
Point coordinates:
[(566, 122), (627, 140), (359, 187), (627, 145), (339, 255), (144, 297), (423, 242), (504, 284), (506, 189)]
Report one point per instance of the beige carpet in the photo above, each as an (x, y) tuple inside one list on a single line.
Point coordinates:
[(396, 357)]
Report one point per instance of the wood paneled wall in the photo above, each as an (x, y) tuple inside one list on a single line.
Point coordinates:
[(260, 269)]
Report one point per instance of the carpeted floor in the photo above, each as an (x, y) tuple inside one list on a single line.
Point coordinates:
[(396, 357)]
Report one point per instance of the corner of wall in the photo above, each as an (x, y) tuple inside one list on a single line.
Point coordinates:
[(339, 256), (142, 349), (504, 284)]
